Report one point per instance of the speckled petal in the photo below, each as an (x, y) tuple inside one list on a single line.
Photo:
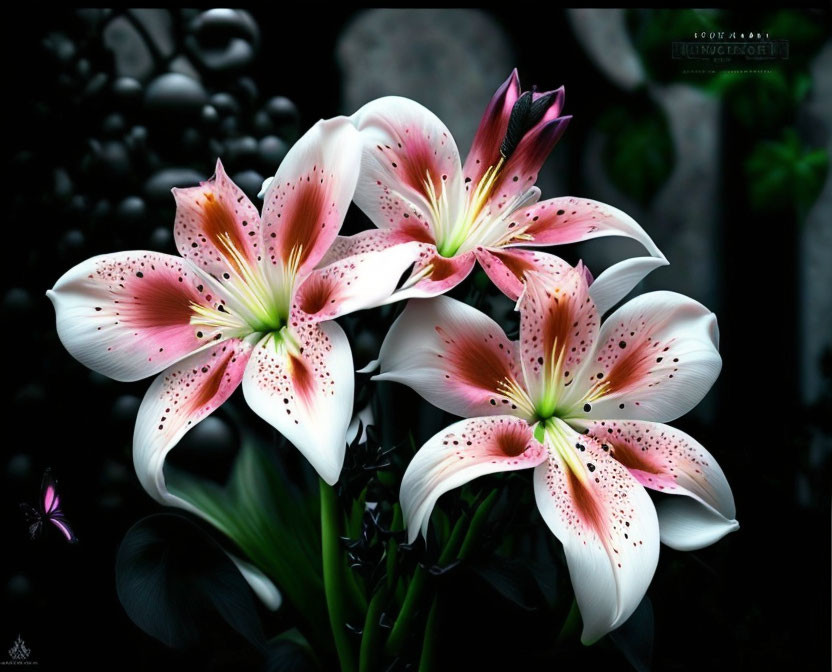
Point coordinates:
[(485, 149), (306, 395), (375, 240), (568, 219), (408, 152), (666, 459), (453, 355), (179, 399), (558, 323), (657, 355), (608, 527), (356, 282), (507, 268), (305, 204), (213, 218), (462, 452), (127, 315), (438, 274), (520, 171)]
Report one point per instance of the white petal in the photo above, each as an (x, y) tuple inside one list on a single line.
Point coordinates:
[(305, 205), (670, 461), (306, 396), (453, 355), (364, 417), (619, 279), (179, 399), (462, 452), (406, 148), (608, 527), (657, 354), (353, 283), (127, 315), (259, 582), (688, 525)]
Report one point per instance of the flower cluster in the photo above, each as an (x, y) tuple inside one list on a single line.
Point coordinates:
[(254, 296)]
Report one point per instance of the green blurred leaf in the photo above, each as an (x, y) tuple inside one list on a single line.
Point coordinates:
[(785, 176), (638, 154), (268, 518)]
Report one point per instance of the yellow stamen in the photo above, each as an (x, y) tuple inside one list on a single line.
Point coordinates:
[(423, 272), (511, 389)]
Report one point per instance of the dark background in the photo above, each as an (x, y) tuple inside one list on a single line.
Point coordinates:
[(88, 170)]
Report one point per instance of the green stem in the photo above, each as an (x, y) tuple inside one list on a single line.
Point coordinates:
[(477, 522), (402, 626), (426, 659), (333, 577), (367, 657)]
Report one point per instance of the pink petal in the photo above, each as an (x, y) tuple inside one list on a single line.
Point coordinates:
[(507, 268), (440, 274), (306, 202), (180, 398), (464, 451), (567, 219), (127, 315), (666, 459), (355, 282), (519, 173), (376, 240), (485, 149), (453, 355), (306, 392), (558, 326), (608, 527), (408, 153), (217, 226), (656, 357)]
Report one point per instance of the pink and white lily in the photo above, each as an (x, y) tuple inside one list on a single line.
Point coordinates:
[(414, 187), (582, 403), (244, 303)]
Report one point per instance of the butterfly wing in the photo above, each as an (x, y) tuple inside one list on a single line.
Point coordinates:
[(50, 503), (59, 521), (33, 519), (49, 500)]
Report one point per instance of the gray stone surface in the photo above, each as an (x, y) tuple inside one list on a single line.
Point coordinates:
[(132, 55), (816, 238), (450, 60), (683, 217), (603, 34)]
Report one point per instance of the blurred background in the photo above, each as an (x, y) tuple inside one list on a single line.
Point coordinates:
[(726, 170)]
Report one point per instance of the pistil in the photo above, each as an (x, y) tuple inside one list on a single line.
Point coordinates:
[(558, 439)]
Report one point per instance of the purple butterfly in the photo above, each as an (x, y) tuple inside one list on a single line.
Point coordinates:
[(50, 509)]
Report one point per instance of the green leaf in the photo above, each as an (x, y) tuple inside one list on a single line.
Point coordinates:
[(784, 176), (638, 154), (173, 579), (268, 518)]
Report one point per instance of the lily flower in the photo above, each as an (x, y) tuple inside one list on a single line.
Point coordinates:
[(584, 405), (243, 304), (414, 187)]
